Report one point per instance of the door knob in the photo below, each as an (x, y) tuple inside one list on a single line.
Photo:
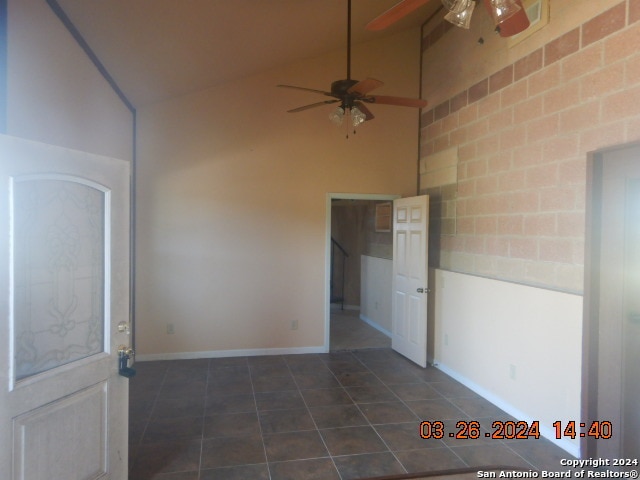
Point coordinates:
[(423, 290)]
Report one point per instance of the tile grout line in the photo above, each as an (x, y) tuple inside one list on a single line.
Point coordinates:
[(148, 420), (317, 429), (419, 419), (204, 415), (370, 424), (205, 409), (255, 402), (363, 414), (418, 416)]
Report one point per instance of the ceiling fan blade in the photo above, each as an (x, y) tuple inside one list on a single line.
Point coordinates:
[(365, 86), (313, 105), (394, 14), (322, 92), (399, 101), (516, 24), (365, 110)]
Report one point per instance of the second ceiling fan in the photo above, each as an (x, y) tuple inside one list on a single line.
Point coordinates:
[(352, 95), (510, 16)]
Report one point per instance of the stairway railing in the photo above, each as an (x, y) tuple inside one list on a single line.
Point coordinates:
[(338, 261)]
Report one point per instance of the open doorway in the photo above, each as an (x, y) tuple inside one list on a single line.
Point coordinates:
[(358, 267)]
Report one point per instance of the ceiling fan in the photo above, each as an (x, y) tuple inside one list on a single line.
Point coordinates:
[(510, 16), (352, 95)]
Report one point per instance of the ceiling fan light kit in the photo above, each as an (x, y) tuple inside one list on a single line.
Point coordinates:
[(460, 11), (509, 16)]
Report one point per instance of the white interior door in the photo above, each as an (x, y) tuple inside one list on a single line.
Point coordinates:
[(410, 263), (64, 287)]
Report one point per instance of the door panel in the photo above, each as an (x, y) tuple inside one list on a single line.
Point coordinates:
[(39, 431), (64, 406), (410, 243)]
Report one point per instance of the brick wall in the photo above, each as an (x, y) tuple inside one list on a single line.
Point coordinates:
[(523, 134)]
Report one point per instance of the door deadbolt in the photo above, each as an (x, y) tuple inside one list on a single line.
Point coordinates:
[(124, 354)]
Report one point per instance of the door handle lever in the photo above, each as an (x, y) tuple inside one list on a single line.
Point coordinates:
[(124, 354)]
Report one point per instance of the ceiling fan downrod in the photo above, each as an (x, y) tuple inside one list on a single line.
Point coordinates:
[(349, 40)]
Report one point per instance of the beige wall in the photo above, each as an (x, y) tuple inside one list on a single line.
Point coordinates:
[(55, 93), (232, 201)]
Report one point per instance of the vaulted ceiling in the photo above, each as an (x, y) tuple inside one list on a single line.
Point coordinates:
[(158, 49)]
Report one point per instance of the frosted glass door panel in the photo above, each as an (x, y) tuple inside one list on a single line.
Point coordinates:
[(59, 274)]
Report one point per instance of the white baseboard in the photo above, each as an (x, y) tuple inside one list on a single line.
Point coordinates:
[(373, 324), (546, 431), (148, 357)]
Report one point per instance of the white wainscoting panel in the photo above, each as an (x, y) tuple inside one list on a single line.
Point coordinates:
[(518, 346)]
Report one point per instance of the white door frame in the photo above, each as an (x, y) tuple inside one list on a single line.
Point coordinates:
[(327, 253)]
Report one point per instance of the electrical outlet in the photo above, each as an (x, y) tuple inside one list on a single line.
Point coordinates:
[(294, 324), (170, 329), (512, 371)]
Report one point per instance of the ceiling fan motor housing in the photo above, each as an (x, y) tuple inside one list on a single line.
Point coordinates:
[(340, 89)]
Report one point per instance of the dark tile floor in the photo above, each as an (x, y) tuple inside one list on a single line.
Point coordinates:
[(343, 415)]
